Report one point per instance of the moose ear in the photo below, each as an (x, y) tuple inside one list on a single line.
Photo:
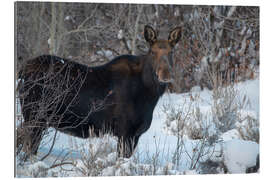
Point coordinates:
[(174, 36), (150, 35)]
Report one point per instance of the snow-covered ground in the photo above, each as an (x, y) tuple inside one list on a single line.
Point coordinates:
[(156, 148), (157, 139)]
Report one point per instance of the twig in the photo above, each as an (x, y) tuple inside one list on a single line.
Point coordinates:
[(60, 164)]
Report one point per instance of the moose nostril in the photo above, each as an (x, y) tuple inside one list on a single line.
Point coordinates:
[(165, 80), (168, 80)]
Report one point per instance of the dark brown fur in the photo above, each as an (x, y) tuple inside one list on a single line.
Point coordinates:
[(118, 97)]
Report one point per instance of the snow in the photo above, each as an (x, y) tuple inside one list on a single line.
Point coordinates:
[(240, 155), (159, 143), (38, 169), (176, 13), (230, 135), (195, 89), (49, 41), (250, 88), (107, 53), (120, 34), (109, 171), (67, 18), (190, 172), (246, 113), (154, 136)]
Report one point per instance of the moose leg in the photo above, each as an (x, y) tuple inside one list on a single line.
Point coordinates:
[(20, 138), (36, 139), (126, 146), (29, 138)]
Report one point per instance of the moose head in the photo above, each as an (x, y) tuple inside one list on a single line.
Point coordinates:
[(161, 52)]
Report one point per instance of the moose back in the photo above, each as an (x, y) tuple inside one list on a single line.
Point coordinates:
[(118, 97)]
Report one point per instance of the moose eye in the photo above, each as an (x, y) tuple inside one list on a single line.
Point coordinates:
[(152, 53)]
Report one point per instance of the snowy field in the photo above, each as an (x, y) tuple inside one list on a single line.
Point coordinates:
[(163, 150)]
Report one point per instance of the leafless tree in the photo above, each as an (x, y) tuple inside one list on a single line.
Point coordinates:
[(53, 90), (219, 44)]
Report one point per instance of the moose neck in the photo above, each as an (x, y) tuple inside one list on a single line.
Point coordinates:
[(150, 79)]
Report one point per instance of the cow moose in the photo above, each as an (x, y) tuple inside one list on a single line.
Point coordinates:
[(118, 97)]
